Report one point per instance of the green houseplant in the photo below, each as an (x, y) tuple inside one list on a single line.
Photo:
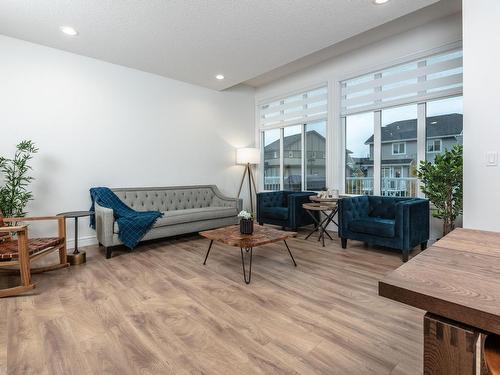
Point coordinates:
[(15, 179), (442, 183)]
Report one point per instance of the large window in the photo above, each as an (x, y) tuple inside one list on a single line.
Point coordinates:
[(294, 156), (271, 143), (443, 126), (399, 151), (359, 154), (315, 156), (411, 112)]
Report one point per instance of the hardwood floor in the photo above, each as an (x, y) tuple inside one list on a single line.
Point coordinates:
[(158, 310)]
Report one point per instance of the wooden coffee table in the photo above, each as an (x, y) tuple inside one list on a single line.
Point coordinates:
[(261, 236)]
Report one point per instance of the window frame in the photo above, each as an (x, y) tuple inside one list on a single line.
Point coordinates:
[(433, 140), (303, 122), (399, 147)]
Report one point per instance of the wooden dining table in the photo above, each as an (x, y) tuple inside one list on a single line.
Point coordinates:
[(457, 282)]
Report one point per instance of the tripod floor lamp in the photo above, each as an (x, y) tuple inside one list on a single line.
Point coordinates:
[(248, 157)]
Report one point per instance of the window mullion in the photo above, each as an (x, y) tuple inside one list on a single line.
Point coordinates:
[(421, 138), (377, 152), (303, 154), (282, 157)]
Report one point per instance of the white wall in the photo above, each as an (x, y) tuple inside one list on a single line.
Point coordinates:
[(390, 51), (99, 124), (481, 113)]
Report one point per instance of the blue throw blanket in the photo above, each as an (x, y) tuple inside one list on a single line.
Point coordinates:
[(133, 224)]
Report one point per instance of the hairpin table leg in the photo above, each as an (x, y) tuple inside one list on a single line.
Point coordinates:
[(208, 252), (243, 264)]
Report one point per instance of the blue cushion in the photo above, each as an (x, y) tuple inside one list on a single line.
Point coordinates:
[(373, 225), (279, 213)]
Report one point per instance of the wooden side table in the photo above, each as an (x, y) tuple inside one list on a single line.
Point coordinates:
[(77, 257)]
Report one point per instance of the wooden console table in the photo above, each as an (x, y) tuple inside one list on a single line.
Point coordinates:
[(457, 281)]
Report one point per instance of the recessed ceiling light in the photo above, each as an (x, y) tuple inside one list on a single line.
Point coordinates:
[(219, 76), (68, 30), (380, 2)]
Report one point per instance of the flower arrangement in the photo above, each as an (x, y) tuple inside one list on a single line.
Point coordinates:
[(246, 222), (245, 215)]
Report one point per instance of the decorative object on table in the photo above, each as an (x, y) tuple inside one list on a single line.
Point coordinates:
[(14, 194), (77, 257), (248, 156), (17, 254), (327, 206), (442, 184), (284, 208), (187, 209), (394, 222), (246, 222), (262, 236), (328, 194)]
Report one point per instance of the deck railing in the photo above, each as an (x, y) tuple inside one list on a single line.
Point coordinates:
[(390, 186)]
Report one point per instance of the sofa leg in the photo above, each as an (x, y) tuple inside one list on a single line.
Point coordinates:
[(343, 241), (405, 255), (261, 223), (423, 246), (109, 251)]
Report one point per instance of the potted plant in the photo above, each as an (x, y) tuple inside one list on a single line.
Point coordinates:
[(14, 194), (442, 183), (246, 222)]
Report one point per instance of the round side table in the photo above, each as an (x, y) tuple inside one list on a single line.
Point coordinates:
[(77, 257)]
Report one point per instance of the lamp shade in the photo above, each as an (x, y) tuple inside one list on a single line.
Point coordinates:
[(247, 155)]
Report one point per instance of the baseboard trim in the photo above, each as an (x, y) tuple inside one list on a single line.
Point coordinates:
[(82, 241)]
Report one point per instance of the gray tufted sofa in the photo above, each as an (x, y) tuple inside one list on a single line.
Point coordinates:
[(186, 209)]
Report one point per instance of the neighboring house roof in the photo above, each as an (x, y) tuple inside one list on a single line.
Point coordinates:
[(292, 139), (437, 126)]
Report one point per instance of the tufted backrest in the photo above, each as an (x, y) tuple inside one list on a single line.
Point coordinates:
[(273, 199), (384, 207), (170, 198)]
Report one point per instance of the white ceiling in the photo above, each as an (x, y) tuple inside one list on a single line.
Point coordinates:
[(193, 40)]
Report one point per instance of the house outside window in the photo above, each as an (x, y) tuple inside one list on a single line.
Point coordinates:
[(396, 117), (399, 148), (434, 146), (294, 130)]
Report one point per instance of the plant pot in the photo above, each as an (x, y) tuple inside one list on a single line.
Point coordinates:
[(246, 226)]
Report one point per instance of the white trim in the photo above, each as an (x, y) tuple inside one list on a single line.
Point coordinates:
[(82, 242), (421, 145), (399, 143), (433, 140), (377, 152)]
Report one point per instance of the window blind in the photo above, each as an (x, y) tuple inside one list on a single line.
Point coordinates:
[(424, 79), (297, 109)]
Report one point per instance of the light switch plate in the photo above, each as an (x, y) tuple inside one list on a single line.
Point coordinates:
[(491, 158)]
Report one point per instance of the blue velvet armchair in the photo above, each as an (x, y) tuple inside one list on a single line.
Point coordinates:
[(283, 208), (398, 223)]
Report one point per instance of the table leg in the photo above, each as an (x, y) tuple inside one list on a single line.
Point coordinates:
[(316, 224), (243, 264), (289, 252), (208, 252), (449, 347), (75, 251)]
